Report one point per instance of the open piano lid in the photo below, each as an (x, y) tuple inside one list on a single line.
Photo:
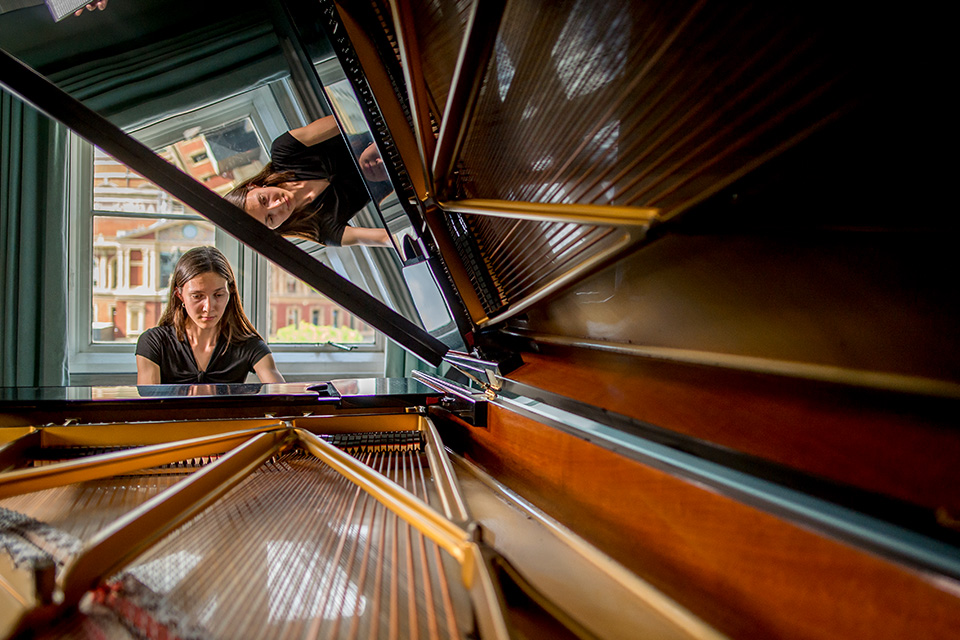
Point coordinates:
[(661, 108), (519, 179), (490, 258)]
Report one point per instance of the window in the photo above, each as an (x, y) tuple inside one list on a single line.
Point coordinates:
[(138, 233), (131, 234), (293, 317), (136, 268), (135, 318), (293, 294)]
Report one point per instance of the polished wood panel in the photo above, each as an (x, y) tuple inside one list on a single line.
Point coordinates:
[(746, 571), (898, 445)]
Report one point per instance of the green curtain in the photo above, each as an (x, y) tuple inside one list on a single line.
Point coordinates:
[(398, 362), (33, 268), (172, 73)]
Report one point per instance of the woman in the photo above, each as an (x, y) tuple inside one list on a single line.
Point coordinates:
[(311, 189), (203, 336)]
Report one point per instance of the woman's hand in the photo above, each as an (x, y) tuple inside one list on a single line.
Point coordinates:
[(353, 236), (93, 6), (317, 131)]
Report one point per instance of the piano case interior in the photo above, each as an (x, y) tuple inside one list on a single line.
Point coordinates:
[(689, 368)]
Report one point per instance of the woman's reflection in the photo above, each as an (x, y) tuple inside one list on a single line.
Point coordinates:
[(311, 188)]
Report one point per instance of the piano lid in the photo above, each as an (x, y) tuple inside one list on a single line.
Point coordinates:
[(526, 161)]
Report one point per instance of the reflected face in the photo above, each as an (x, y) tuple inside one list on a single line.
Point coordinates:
[(269, 205), (371, 164), (205, 299)]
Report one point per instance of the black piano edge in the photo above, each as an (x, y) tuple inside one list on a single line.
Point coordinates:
[(346, 393)]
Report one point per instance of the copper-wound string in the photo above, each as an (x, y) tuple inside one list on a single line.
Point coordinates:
[(381, 544), (367, 511)]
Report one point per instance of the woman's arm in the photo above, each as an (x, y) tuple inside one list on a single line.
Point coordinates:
[(148, 371), (266, 370), (364, 236), (317, 131)]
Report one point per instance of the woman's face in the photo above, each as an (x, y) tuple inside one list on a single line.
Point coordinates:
[(269, 205), (371, 164), (205, 299)]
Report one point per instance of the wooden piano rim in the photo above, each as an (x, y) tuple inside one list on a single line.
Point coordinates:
[(743, 569)]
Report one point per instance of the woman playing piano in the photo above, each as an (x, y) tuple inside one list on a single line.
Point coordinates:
[(311, 188), (203, 335)]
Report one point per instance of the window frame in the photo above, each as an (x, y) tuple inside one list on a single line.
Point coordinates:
[(273, 109)]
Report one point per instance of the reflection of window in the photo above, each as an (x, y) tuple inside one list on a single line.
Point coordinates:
[(315, 316), (335, 318), (293, 316), (587, 58), (345, 104), (291, 285)]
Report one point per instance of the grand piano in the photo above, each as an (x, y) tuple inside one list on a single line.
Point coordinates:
[(689, 366)]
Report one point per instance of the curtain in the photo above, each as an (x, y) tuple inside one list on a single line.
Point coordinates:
[(174, 72), (33, 269), (398, 362)]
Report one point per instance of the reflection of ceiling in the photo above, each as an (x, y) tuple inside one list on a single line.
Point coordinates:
[(137, 61), (50, 46)]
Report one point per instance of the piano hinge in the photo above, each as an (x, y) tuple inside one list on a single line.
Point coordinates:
[(465, 403), (483, 373)]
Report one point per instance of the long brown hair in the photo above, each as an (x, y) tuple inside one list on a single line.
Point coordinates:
[(234, 325), (300, 223)]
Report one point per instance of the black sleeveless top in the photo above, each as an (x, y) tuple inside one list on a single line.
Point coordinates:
[(327, 160)]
